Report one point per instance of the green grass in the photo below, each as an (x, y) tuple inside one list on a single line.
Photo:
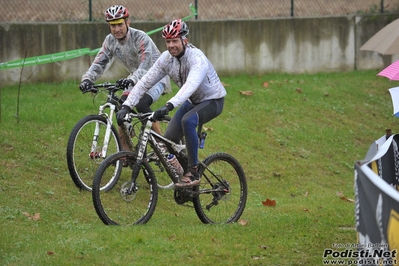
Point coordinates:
[(297, 139)]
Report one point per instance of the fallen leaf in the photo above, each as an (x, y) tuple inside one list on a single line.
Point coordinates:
[(326, 94), (347, 199), (207, 128), (306, 194), (292, 195), (248, 93), (269, 202), (305, 210), (276, 174), (298, 90), (263, 247), (36, 217), (224, 84), (343, 197), (265, 84), (256, 257), (50, 253), (243, 222)]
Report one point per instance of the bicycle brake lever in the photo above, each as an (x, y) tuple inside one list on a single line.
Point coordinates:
[(151, 117), (128, 118)]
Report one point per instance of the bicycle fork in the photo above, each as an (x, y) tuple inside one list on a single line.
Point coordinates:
[(94, 153)]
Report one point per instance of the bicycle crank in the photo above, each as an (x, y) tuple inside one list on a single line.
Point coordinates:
[(183, 195)]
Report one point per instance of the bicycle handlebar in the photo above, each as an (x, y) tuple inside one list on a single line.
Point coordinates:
[(106, 85), (140, 116), (110, 87)]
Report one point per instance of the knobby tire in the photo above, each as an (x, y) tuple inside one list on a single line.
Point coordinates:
[(226, 207), (80, 165), (114, 206)]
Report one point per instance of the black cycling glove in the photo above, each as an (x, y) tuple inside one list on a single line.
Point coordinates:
[(120, 115), (87, 85), (161, 112), (124, 83)]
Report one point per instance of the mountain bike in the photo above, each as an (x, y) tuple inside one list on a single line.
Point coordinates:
[(95, 137), (131, 199)]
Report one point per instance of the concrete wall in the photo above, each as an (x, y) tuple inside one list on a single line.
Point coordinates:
[(291, 45)]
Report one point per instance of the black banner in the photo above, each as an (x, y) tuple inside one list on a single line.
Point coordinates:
[(377, 205)]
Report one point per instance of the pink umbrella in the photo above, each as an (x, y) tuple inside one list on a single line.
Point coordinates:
[(391, 71)]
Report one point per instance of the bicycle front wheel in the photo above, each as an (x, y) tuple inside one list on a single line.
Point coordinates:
[(222, 190), (84, 149), (125, 203)]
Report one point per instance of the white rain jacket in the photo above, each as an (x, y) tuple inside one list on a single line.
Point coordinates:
[(137, 53), (193, 73)]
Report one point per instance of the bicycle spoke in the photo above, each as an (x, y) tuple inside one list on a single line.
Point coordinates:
[(83, 157), (222, 191), (119, 205)]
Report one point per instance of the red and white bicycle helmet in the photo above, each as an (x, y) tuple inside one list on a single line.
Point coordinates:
[(176, 28), (116, 14)]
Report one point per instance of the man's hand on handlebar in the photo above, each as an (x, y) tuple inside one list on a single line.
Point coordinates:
[(120, 115), (161, 112), (124, 83), (87, 86)]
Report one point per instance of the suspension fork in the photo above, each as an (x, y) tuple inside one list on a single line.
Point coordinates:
[(103, 154)]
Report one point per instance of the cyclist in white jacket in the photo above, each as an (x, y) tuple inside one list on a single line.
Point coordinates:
[(200, 97), (135, 50)]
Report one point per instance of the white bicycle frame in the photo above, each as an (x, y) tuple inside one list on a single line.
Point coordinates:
[(109, 118)]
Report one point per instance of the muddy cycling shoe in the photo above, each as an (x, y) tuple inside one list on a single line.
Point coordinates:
[(189, 180)]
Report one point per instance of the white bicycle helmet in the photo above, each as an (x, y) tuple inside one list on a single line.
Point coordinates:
[(116, 14)]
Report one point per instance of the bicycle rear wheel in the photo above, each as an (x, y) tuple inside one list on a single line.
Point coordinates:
[(116, 206), (223, 190), (82, 157)]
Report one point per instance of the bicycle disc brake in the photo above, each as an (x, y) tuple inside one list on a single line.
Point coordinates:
[(96, 155), (126, 196)]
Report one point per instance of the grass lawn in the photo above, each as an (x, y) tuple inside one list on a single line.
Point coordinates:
[(296, 136)]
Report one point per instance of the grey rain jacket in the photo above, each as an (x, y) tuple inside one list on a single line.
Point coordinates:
[(193, 73), (137, 53)]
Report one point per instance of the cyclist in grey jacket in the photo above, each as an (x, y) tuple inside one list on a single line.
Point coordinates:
[(135, 50), (201, 94)]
